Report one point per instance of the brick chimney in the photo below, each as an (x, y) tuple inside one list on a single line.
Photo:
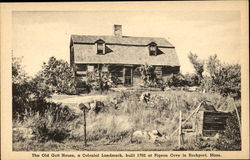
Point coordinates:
[(117, 30)]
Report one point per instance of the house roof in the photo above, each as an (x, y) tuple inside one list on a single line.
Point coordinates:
[(126, 40), (123, 50)]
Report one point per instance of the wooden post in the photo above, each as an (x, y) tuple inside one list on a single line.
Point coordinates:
[(124, 70), (84, 108), (237, 113), (131, 76), (84, 123), (195, 111), (180, 131)]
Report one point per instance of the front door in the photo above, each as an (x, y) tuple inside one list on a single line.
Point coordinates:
[(128, 76)]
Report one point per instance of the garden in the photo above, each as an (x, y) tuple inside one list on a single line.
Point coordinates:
[(43, 119)]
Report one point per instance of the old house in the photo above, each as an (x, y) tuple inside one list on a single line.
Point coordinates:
[(121, 55)]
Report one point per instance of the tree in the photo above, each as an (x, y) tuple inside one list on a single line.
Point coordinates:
[(21, 95), (197, 64), (213, 64), (56, 76), (26, 95), (225, 78)]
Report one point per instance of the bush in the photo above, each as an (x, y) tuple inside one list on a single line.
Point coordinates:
[(191, 79), (54, 124), (57, 77), (101, 82), (230, 138), (149, 77), (176, 80)]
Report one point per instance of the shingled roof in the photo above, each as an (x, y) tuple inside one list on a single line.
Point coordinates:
[(123, 50), (126, 40)]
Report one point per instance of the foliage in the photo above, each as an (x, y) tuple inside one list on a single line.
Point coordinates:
[(57, 77), (176, 80), (225, 78), (115, 123), (54, 124), (99, 80), (230, 138), (148, 76), (206, 83), (82, 86), (191, 79), (198, 65), (115, 81), (26, 96)]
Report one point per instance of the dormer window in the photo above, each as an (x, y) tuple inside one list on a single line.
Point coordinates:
[(152, 49), (100, 47)]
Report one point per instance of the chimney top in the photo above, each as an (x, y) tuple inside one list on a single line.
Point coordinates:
[(117, 30)]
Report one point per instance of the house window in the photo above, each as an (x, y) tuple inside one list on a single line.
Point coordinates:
[(153, 49), (100, 47)]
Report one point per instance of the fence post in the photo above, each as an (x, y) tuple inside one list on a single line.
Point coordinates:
[(237, 113), (180, 130), (84, 108), (85, 124)]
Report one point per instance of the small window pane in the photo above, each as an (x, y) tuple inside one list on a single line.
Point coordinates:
[(152, 48), (100, 46)]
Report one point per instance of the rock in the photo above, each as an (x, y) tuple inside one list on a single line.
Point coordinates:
[(192, 89), (146, 136), (167, 89)]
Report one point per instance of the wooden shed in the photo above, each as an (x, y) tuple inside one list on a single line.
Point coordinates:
[(208, 121)]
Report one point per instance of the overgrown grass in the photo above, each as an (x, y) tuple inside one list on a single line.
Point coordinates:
[(115, 123)]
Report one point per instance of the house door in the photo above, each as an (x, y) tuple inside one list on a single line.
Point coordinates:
[(128, 76)]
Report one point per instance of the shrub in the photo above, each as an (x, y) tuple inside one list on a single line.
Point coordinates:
[(191, 79), (55, 124), (176, 80), (230, 138), (148, 75), (101, 82), (57, 76)]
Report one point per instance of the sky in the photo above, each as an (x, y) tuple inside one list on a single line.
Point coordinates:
[(38, 35)]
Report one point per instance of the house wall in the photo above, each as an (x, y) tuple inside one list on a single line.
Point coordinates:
[(117, 71), (71, 56)]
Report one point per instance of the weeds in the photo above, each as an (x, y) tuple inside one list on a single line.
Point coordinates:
[(114, 125)]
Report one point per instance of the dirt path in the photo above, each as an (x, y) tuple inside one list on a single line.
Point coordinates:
[(73, 101), (77, 98)]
